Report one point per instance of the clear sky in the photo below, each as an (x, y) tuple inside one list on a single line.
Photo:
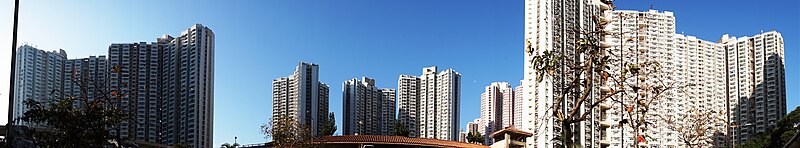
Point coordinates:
[(257, 41)]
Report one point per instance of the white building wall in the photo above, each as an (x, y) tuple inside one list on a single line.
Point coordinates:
[(301, 96), (550, 25), (38, 73), (439, 104), (756, 82), (645, 36), (367, 110), (496, 108), (408, 95), (727, 75)]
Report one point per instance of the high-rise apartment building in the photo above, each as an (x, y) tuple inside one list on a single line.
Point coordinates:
[(169, 87), (367, 110), (756, 83), (408, 91), (474, 126), (139, 78), (518, 107), (39, 76), (740, 81), (439, 104), (686, 61), (699, 65), (555, 26), (462, 136), (630, 31), (90, 72), (302, 97), (187, 66), (497, 108), (432, 102), (388, 110)]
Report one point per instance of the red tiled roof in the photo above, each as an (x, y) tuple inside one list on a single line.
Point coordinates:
[(511, 129), (394, 140)]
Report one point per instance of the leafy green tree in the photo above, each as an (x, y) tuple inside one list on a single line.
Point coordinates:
[(78, 121), (328, 126), (228, 145), (234, 145), (400, 129), (779, 135), (475, 138)]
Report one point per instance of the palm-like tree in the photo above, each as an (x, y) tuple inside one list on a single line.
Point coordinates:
[(234, 145), (228, 145)]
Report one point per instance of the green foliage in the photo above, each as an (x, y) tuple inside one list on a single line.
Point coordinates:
[(475, 137), (400, 129), (76, 121), (228, 145), (328, 126), (73, 127), (779, 135)]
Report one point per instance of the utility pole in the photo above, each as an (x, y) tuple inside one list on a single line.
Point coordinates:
[(9, 126)]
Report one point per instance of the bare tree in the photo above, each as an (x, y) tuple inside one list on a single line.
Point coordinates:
[(578, 74), (591, 75), (286, 131), (696, 128)]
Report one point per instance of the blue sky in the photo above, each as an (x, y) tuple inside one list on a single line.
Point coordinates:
[(257, 41)]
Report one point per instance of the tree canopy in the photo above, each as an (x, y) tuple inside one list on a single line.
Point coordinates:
[(400, 129), (475, 138), (779, 135), (328, 126), (77, 121)]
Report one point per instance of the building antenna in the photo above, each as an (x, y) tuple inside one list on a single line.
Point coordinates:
[(651, 6)]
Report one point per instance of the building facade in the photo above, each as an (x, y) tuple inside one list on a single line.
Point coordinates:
[(388, 111), (139, 77), (699, 65), (408, 91), (302, 97), (518, 106), (169, 87), (91, 72), (651, 32), (432, 102), (555, 26), (497, 108), (367, 109), (474, 126), (740, 82), (756, 83), (439, 104), (642, 37), (39, 76)]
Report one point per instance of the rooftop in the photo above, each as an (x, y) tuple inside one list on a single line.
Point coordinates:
[(392, 140)]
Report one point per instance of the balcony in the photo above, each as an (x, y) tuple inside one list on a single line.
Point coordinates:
[(605, 124), (605, 143), (604, 107)]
